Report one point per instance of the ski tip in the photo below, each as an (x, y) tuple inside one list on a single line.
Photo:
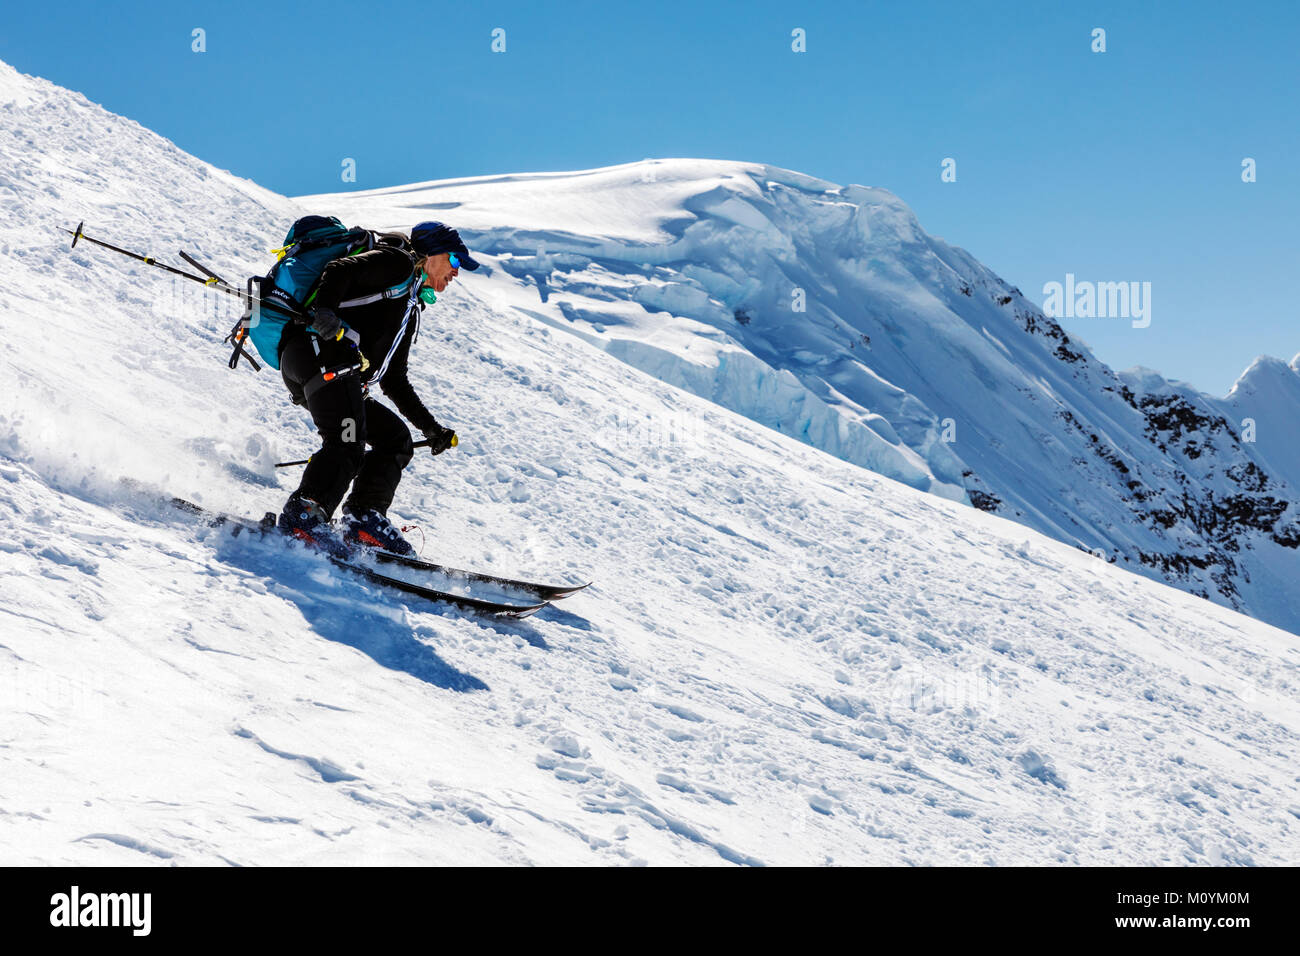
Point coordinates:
[(556, 593), (519, 613)]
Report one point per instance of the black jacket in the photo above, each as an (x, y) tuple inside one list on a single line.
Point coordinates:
[(390, 263)]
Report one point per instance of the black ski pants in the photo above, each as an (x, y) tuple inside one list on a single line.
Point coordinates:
[(347, 421)]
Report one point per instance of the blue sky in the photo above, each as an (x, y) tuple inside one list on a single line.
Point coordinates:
[(1115, 166)]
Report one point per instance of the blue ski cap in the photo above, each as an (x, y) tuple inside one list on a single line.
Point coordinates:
[(432, 238)]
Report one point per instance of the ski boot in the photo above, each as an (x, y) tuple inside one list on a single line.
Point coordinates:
[(373, 530), (304, 519)]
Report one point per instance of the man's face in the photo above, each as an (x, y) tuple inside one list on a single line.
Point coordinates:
[(438, 271)]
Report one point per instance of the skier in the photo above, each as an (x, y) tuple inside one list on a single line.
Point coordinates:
[(370, 343)]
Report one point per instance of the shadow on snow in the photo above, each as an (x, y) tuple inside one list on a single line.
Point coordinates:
[(344, 609)]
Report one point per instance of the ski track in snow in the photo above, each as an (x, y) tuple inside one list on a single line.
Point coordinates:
[(784, 659)]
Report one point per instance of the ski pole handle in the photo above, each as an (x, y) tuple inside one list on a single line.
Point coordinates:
[(455, 440)]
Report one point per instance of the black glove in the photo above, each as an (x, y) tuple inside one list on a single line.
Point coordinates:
[(326, 324), (343, 348), (440, 438)]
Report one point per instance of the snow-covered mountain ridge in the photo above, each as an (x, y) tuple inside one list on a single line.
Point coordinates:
[(785, 658), (828, 313)]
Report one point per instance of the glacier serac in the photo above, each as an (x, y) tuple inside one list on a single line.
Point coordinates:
[(829, 314)]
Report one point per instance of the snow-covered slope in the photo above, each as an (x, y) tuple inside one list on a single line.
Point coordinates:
[(1268, 394), (828, 313), (785, 658)]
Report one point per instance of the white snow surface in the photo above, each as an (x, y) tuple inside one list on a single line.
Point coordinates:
[(785, 659)]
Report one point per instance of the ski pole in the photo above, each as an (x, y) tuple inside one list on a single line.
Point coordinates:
[(417, 444), (211, 282), (212, 276)]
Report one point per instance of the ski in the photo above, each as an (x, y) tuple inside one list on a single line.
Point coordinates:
[(240, 525), (494, 608), (545, 592)]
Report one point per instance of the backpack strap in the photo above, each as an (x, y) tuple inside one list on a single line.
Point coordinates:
[(239, 334), (396, 292), (412, 308)]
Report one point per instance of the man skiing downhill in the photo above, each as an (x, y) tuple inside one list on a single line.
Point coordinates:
[(330, 364)]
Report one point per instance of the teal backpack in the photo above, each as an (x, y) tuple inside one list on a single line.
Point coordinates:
[(286, 292)]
